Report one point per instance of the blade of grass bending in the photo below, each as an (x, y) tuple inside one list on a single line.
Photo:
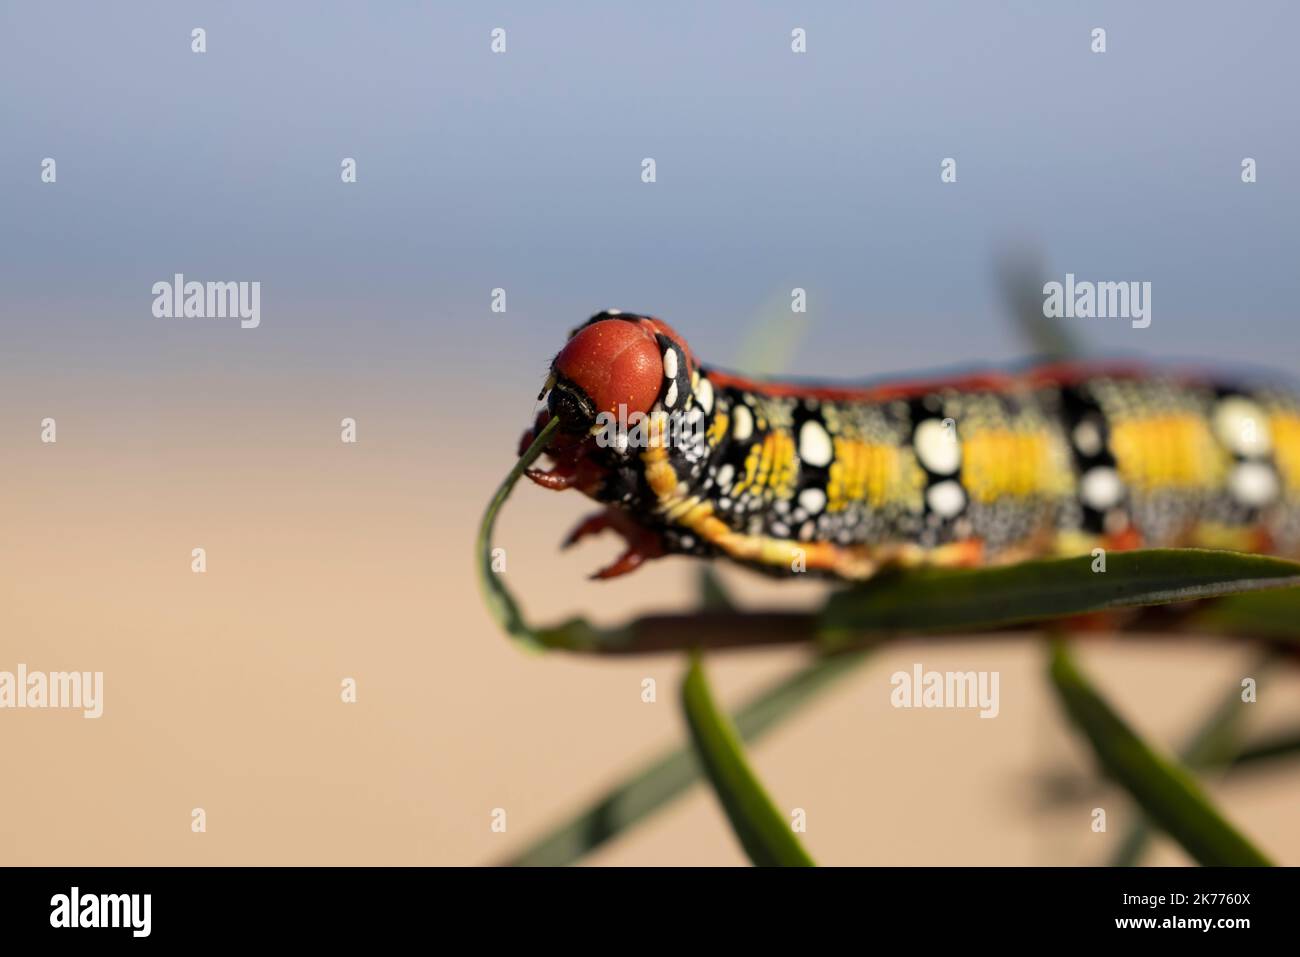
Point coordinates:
[(667, 777), (762, 830), (499, 601), (1215, 743), (1164, 790)]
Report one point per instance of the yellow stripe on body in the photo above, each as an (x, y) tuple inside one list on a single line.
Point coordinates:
[(851, 563), (659, 472), (1167, 451), (1285, 427), (770, 464), (718, 429), (1235, 538), (1004, 462), (874, 473)]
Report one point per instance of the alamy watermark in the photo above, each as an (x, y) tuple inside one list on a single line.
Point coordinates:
[(75, 909), (919, 688), (639, 430), (179, 299), (82, 690), (1098, 300)]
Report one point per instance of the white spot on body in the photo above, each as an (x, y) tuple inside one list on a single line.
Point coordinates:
[(704, 394), (815, 447), (937, 447), (671, 398), (742, 425), (946, 499), (1087, 438), (1242, 426), (1101, 488), (1253, 484), (670, 363), (813, 500), (725, 475)]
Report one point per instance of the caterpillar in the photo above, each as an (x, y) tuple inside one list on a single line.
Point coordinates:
[(991, 467)]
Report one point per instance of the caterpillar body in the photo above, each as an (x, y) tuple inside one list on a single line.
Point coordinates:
[(1054, 459)]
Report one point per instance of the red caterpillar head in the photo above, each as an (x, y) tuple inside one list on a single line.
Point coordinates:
[(621, 364)]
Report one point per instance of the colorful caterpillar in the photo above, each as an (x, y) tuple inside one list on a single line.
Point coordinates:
[(996, 467)]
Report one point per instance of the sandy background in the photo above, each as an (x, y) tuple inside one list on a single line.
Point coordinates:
[(328, 561)]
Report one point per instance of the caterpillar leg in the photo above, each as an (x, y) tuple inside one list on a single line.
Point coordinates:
[(556, 479), (642, 544), (570, 470)]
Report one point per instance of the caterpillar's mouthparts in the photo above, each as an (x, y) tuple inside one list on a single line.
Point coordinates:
[(569, 404)]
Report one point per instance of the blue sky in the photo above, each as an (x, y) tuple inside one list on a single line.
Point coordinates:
[(522, 171)]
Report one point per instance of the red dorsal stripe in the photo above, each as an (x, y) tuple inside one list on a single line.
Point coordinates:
[(1056, 373)]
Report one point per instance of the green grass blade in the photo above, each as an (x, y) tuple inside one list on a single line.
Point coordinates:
[(930, 600), (1214, 744), (1164, 790), (762, 830), (668, 776), (496, 596)]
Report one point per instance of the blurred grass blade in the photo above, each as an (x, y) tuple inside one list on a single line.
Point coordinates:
[(928, 600), (668, 776), (1164, 790), (772, 338), (1021, 277), (1214, 745), (762, 830), (1266, 614), (713, 596), (1269, 748)]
